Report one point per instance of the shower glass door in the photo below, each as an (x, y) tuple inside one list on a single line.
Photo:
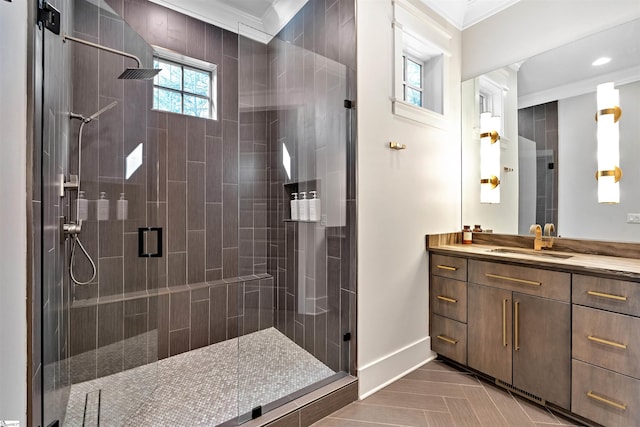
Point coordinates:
[(100, 303), (293, 138)]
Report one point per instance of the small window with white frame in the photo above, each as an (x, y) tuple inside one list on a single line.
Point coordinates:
[(491, 99), (421, 60), (413, 80), (185, 85)]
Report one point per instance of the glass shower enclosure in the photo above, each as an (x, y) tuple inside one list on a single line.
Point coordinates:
[(212, 302), (293, 143)]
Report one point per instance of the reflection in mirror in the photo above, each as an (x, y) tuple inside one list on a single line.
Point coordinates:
[(548, 142)]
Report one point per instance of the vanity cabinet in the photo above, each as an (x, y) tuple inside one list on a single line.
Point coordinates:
[(606, 350), (563, 333), (519, 328), (448, 302)]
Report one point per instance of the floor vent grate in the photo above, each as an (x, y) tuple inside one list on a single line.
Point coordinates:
[(522, 393)]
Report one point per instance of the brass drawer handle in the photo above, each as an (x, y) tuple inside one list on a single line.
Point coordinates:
[(447, 299), (513, 279), (446, 267), (447, 339), (607, 342), (607, 401), (610, 296)]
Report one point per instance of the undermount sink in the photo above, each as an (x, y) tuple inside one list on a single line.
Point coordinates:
[(530, 252)]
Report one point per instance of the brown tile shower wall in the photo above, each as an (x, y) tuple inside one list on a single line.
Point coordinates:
[(301, 84), (253, 178), (188, 184), (199, 174), (189, 317), (216, 187), (540, 124), (111, 336)]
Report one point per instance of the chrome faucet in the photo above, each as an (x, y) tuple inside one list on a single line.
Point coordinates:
[(539, 242)]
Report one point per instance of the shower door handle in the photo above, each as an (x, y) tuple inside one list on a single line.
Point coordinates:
[(142, 232)]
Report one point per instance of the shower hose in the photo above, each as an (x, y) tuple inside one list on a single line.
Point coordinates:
[(77, 242)]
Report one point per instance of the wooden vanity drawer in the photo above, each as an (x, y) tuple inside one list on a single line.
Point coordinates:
[(449, 298), (603, 396), (449, 266), (543, 283), (610, 294), (449, 338), (606, 339)]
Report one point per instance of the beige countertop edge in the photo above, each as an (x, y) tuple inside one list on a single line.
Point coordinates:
[(623, 268)]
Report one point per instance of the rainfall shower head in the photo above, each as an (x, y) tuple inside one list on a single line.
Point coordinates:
[(139, 73)]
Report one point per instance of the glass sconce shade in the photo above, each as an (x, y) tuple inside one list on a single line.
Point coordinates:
[(608, 135), (489, 159)]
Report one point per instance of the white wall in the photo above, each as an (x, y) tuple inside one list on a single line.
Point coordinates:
[(402, 195), (13, 227), (533, 26), (579, 214)]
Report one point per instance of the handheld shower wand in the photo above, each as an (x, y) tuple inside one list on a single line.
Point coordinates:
[(94, 115), (73, 229)]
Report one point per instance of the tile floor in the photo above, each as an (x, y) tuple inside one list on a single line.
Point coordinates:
[(203, 387), (439, 395)]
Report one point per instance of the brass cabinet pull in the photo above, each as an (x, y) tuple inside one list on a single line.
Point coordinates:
[(504, 322), (607, 342), (513, 279), (447, 339), (607, 401), (516, 344), (446, 267), (447, 299), (610, 296)]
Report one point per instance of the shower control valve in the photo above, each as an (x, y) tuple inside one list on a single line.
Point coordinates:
[(69, 228)]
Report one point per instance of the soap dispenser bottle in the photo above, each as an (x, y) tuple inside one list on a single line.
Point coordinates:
[(303, 203), (103, 207), (123, 208), (294, 206), (314, 207), (83, 207)]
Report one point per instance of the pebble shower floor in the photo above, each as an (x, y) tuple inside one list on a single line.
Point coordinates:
[(203, 387)]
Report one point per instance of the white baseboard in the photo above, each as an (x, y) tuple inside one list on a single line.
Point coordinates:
[(387, 369)]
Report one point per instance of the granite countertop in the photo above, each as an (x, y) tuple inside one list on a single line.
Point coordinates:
[(623, 268)]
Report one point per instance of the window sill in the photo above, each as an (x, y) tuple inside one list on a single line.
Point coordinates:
[(418, 114)]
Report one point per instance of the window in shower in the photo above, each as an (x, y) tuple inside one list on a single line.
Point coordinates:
[(185, 85)]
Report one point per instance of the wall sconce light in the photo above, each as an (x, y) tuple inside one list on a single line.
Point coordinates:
[(489, 159), (609, 172)]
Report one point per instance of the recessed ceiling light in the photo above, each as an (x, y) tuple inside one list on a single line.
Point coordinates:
[(601, 61)]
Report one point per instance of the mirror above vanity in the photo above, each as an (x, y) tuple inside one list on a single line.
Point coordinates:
[(544, 110)]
